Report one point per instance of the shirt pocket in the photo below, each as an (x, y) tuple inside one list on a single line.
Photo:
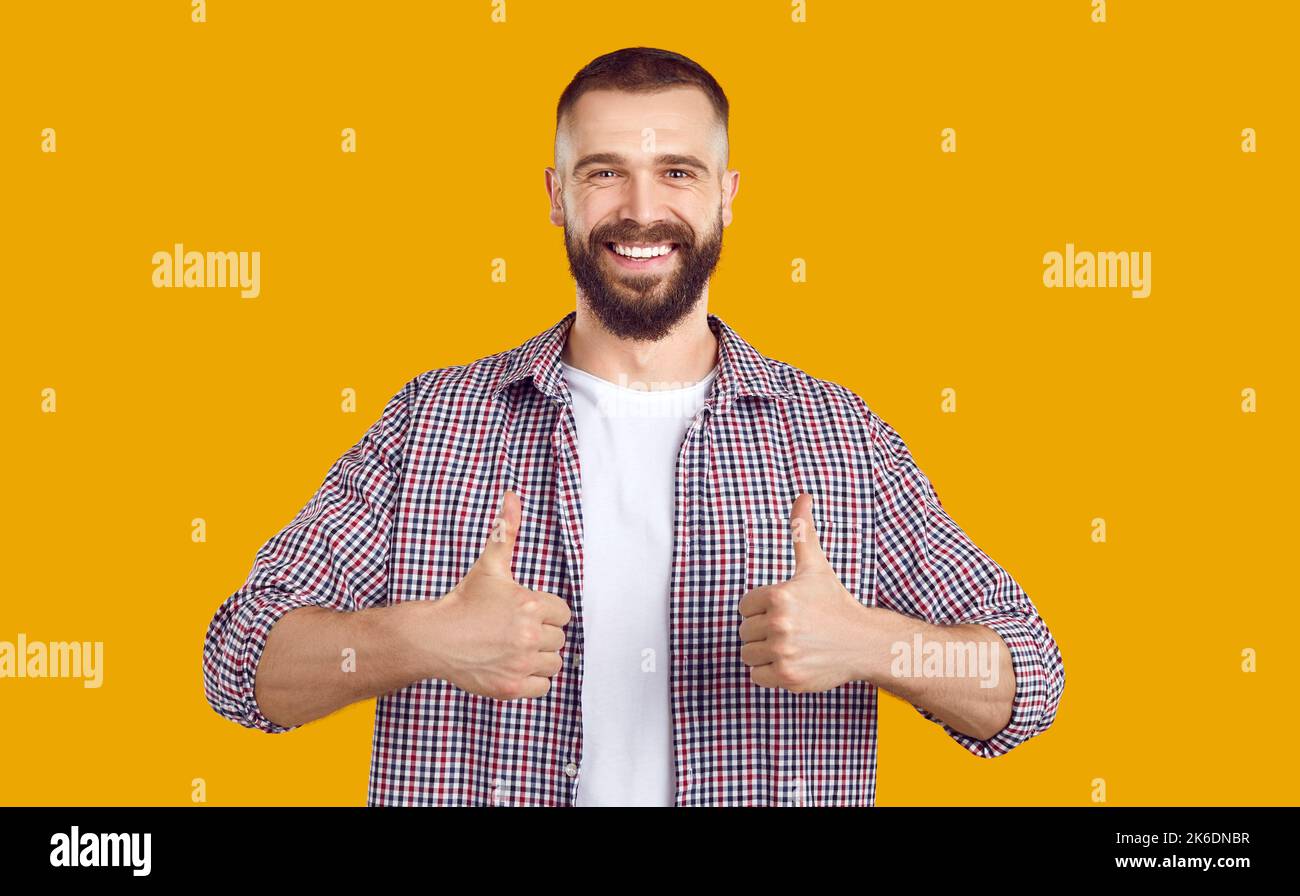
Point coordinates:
[(769, 552)]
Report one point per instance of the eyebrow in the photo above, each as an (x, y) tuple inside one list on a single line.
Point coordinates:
[(613, 158)]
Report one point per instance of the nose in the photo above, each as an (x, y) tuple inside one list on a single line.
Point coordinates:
[(640, 202)]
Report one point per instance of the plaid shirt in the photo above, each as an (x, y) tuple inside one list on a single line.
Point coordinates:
[(406, 511)]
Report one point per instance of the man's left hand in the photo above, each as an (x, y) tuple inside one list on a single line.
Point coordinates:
[(806, 633)]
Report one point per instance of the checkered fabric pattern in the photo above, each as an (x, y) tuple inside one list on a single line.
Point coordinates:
[(405, 512)]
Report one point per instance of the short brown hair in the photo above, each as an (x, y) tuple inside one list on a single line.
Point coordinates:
[(643, 70)]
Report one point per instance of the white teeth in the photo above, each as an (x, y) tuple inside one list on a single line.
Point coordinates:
[(640, 252)]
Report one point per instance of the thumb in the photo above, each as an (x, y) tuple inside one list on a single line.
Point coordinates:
[(500, 549), (808, 554)]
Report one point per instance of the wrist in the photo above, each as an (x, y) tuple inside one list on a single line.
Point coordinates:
[(877, 631), (412, 628)]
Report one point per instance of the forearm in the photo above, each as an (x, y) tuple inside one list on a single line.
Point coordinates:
[(961, 673), (317, 660)]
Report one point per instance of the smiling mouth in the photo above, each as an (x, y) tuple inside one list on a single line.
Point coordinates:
[(641, 256)]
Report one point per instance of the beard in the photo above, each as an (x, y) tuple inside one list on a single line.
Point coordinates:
[(643, 307)]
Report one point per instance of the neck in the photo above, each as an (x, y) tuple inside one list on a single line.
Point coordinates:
[(685, 355)]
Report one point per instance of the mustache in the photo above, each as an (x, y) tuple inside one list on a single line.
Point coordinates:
[(617, 235)]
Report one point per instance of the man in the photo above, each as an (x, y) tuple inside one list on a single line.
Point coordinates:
[(632, 561)]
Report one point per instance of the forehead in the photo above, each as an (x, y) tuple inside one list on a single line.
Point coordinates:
[(682, 118)]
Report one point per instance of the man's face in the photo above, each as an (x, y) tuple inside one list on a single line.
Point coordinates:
[(642, 175)]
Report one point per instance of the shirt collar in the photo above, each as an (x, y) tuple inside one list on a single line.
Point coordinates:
[(742, 370)]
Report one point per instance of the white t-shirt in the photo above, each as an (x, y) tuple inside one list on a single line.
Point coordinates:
[(628, 442)]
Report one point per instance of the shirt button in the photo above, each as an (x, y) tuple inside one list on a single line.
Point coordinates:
[(571, 770)]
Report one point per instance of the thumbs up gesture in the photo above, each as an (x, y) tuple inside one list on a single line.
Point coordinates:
[(806, 633), (497, 638)]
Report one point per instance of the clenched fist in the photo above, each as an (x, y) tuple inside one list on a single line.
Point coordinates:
[(496, 637), (806, 633)]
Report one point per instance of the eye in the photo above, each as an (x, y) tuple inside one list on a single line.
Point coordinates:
[(680, 171), (597, 174)]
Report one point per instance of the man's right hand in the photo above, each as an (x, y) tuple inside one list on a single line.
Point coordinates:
[(497, 638)]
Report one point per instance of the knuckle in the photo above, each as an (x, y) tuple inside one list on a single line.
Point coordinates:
[(563, 613), (781, 598), (505, 689), (517, 666)]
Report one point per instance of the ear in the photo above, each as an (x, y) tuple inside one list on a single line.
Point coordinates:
[(554, 192), (730, 186)]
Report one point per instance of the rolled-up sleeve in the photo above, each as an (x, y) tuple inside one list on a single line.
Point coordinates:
[(928, 568), (333, 554)]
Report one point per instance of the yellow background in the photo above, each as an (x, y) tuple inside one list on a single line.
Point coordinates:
[(924, 273)]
